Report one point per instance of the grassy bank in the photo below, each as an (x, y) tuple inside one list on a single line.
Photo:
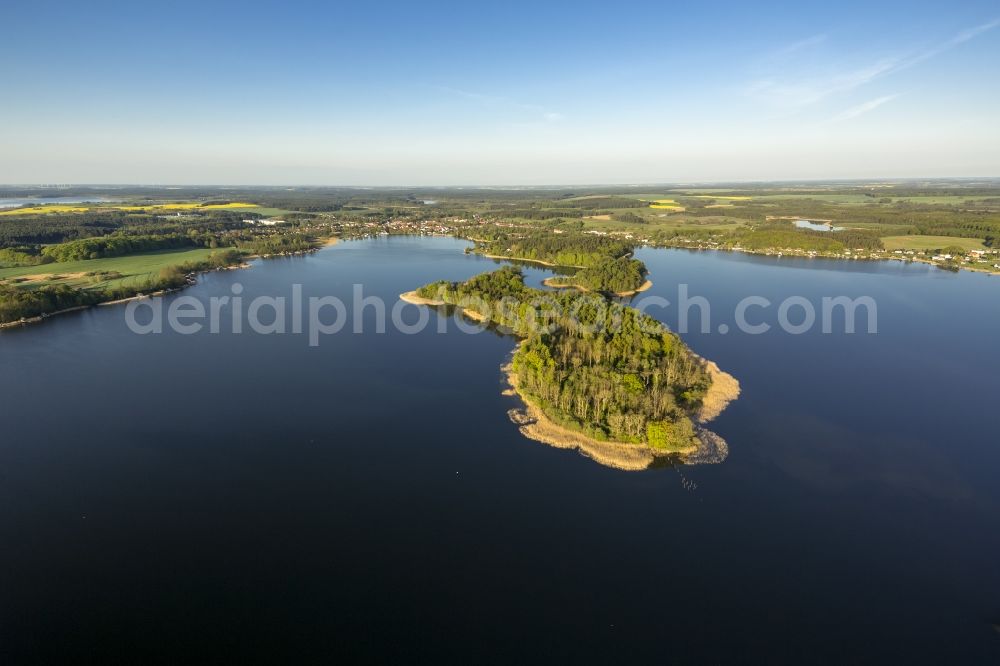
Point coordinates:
[(917, 242), (112, 272), (30, 295)]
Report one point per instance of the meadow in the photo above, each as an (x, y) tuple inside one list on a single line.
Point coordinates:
[(127, 271), (908, 215), (917, 242)]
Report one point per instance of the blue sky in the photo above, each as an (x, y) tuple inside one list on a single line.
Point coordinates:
[(507, 93)]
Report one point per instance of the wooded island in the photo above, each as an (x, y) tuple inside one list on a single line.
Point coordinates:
[(592, 365)]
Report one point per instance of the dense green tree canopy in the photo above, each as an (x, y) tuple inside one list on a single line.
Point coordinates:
[(608, 275), (591, 364), (566, 249)]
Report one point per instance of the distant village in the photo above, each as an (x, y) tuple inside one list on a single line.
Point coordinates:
[(987, 260)]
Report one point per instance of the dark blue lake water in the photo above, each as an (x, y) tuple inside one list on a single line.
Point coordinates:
[(219, 497)]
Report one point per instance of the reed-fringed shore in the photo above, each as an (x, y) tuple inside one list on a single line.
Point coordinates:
[(724, 389), (534, 424), (626, 456)]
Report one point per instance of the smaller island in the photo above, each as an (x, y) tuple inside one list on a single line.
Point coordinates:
[(619, 277), (603, 264), (596, 375)]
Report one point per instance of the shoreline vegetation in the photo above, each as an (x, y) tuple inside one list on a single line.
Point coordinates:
[(541, 262), (535, 425), (49, 236), (625, 397), (602, 264), (693, 246), (859, 254), (555, 284), (724, 389), (172, 279), (416, 299)]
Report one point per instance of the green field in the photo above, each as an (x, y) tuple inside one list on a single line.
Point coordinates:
[(715, 190), (134, 268), (828, 198), (647, 196), (265, 211), (930, 242), (944, 200), (662, 219)]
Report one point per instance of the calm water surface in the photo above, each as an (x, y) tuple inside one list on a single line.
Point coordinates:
[(248, 498), (9, 202), (816, 226)]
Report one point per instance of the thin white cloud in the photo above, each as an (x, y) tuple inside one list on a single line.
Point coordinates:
[(864, 108), (803, 93), (966, 35), (960, 38), (795, 95), (795, 47)]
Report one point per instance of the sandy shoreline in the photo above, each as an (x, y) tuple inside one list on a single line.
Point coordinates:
[(626, 456), (535, 425), (412, 297), (642, 287), (548, 283), (532, 261)]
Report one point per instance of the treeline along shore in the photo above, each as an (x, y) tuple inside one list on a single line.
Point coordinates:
[(138, 240), (58, 258), (603, 264), (593, 373)]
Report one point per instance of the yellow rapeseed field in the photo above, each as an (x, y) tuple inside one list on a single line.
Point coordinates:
[(666, 204), (35, 210), (232, 204), (189, 205)]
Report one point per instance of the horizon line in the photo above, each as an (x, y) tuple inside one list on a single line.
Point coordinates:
[(907, 179)]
